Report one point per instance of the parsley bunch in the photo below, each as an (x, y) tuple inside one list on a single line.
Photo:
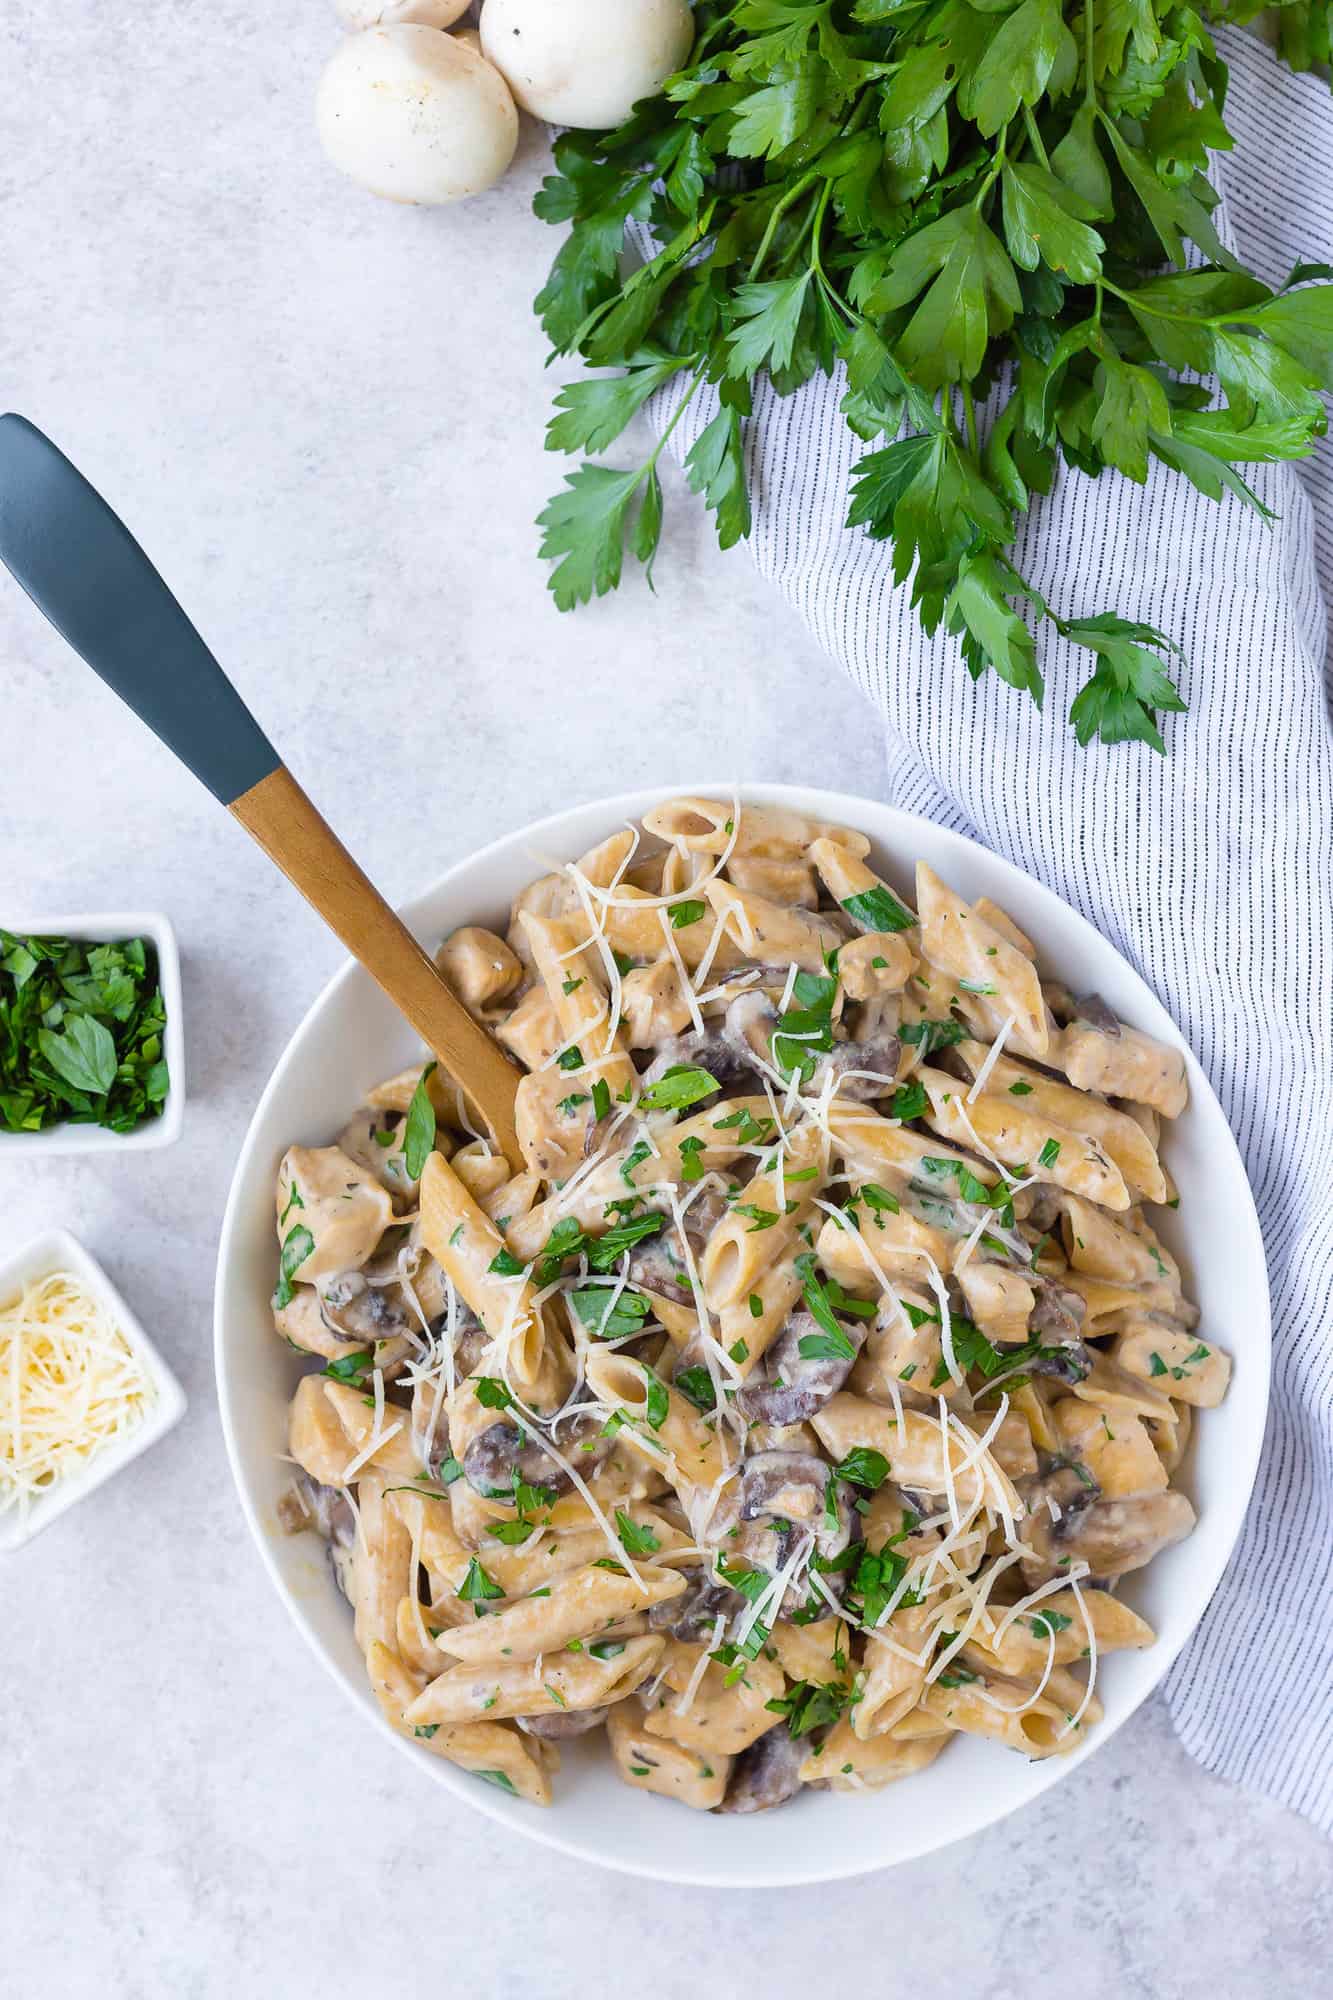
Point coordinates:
[(949, 198)]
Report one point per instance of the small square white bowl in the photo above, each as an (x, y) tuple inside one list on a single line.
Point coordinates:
[(162, 1130), (57, 1250)]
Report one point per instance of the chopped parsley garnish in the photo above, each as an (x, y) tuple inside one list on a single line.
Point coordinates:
[(831, 1343), (601, 1099), (678, 1088), (1047, 1623), (491, 1393), (605, 1252), (419, 1131), (1159, 1367), (806, 1029), (811, 1705), (569, 1105), (750, 1131), (764, 1218), (504, 1264), (931, 1035), (571, 986), (696, 1385), (606, 1649), (634, 1158), (623, 1319), (909, 1102), (686, 913), (426, 1730), (297, 1245), (448, 1470), (691, 1166), (635, 1541), (350, 1367), (81, 1033), (657, 1403), (864, 1467), (878, 909), (1049, 1153), (1020, 1090), (477, 1587), (970, 1187), (569, 1059), (756, 1306), (500, 1778), (739, 1350)]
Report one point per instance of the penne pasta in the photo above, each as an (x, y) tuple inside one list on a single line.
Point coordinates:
[(797, 1405)]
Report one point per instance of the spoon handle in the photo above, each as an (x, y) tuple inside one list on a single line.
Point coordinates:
[(85, 572)]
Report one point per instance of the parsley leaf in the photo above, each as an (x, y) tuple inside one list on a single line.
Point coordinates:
[(636, 1540), (679, 1087)]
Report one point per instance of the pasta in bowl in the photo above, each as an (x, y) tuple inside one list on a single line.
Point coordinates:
[(818, 1395)]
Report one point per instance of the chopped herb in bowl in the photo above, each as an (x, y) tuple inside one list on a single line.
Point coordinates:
[(82, 1028)]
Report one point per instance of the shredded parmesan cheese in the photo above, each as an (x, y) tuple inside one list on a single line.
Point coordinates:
[(70, 1385), (982, 1076)]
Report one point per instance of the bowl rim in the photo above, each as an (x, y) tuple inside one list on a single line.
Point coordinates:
[(545, 1827), (113, 927)]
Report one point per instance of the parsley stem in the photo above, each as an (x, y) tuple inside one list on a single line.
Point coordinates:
[(970, 413), (779, 209), (676, 415), (1151, 307), (1035, 136)]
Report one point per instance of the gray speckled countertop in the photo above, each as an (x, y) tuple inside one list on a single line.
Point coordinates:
[(324, 417)]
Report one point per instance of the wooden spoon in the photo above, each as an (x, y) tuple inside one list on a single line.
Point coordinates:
[(83, 569)]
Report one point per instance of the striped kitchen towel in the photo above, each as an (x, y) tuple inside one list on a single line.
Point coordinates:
[(1211, 869)]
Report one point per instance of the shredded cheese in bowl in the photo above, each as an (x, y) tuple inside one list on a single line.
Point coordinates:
[(70, 1385)]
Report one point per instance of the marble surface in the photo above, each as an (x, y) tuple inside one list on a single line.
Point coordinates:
[(324, 417)]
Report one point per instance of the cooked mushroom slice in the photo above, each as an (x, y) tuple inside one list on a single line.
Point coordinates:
[(732, 1052), (1067, 1361), (692, 1616), (326, 1512), (767, 1774), (863, 1069), (471, 1339), (793, 1385), (557, 1728), (502, 1455), (797, 1493), (356, 1310), (1056, 1501), (1094, 1010), (657, 1264), (1058, 1312)]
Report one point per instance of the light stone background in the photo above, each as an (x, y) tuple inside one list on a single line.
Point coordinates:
[(323, 415)]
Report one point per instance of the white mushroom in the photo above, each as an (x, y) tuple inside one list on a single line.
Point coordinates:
[(415, 116), (585, 62), (358, 14)]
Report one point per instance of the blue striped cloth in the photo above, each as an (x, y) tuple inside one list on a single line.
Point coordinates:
[(1211, 870)]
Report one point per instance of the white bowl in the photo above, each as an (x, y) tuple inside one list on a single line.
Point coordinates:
[(59, 1251), (352, 1037), (165, 1128)]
